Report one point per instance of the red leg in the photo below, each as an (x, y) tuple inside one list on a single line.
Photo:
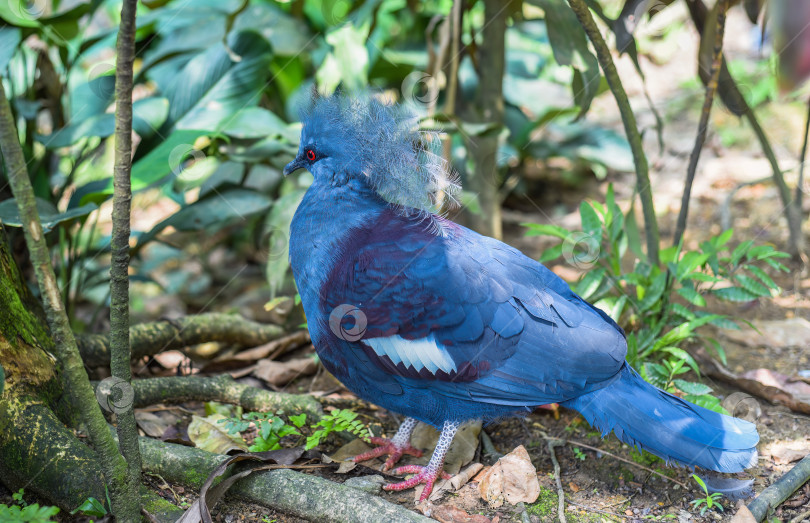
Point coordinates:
[(395, 447), (429, 474)]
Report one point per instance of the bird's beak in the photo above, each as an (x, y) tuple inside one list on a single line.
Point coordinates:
[(294, 165)]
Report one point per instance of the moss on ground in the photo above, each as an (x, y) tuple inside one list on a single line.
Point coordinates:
[(546, 509)]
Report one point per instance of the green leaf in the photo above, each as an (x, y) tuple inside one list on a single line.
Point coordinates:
[(163, 159), (288, 35), (723, 239), (543, 229), (254, 122), (147, 115), (591, 224), (684, 356), (589, 283), (740, 251), (91, 507), (570, 46), (690, 387), (9, 40), (702, 277), (682, 311), (632, 233), (689, 262), (759, 273), (738, 294), (551, 254), (707, 402), (348, 61), (299, 420), (48, 214), (653, 293), (751, 285), (692, 296), (721, 353), (212, 86), (277, 233)]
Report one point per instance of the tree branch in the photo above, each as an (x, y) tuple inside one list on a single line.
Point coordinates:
[(294, 493), (220, 388), (771, 497), (148, 339), (77, 383), (703, 125), (630, 127), (119, 264)]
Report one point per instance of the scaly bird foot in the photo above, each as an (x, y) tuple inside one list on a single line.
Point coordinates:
[(387, 446), (422, 475)]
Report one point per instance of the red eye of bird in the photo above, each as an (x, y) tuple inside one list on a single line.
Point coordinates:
[(310, 155)]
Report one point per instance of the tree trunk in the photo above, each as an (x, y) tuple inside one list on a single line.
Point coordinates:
[(486, 111), (38, 451)]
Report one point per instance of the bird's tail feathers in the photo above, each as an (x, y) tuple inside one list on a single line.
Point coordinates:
[(676, 430)]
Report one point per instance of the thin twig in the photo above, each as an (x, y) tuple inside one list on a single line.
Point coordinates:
[(703, 125), (801, 517), (551, 443), (802, 157), (639, 465), (630, 125)]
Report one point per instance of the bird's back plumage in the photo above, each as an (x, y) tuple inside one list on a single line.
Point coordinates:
[(446, 325)]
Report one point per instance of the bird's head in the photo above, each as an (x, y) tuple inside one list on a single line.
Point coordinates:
[(358, 137)]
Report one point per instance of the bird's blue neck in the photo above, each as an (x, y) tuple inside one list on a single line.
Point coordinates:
[(326, 216)]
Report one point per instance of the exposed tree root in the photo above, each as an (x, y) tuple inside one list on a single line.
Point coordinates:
[(152, 338), (288, 491), (38, 453), (223, 389)]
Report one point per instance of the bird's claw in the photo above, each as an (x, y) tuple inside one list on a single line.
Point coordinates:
[(387, 446), (422, 475)]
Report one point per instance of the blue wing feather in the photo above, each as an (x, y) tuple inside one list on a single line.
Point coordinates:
[(521, 336)]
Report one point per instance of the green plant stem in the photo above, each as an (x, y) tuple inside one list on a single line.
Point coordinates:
[(76, 382), (120, 354), (698, 13), (703, 125), (802, 157), (630, 127)]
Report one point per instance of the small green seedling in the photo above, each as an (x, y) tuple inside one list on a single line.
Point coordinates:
[(710, 501), (91, 507), (579, 454), (22, 512)]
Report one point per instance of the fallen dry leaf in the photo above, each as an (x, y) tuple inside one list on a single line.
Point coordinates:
[(771, 385), (172, 359), (280, 373), (462, 450), (574, 487), (344, 455), (451, 514), (152, 424), (271, 351), (743, 516), (208, 434), (512, 479), (791, 332), (784, 452)]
